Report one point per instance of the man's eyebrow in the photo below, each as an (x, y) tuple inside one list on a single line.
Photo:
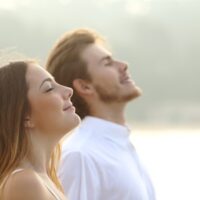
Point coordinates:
[(47, 79), (108, 57)]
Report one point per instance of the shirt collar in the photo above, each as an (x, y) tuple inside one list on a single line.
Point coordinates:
[(105, 129)]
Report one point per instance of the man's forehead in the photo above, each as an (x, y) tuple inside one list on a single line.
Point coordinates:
[(96, 51)]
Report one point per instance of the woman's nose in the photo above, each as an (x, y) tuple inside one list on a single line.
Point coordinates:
[(68, 92)]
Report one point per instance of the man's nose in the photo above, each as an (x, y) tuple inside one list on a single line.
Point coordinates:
[(123, 66)]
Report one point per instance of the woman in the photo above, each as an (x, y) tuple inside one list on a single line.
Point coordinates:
[(35, 113)]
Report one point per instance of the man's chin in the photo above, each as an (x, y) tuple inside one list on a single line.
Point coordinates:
[(137, 92)]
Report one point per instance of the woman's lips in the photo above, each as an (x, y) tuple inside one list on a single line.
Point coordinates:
[(70, 107)]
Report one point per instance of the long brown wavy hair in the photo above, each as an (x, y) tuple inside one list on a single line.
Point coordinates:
[(14, 107)]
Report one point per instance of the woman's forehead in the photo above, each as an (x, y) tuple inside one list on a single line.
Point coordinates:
[(36, 74)]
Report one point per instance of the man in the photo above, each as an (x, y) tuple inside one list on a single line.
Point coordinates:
[(98, 160)]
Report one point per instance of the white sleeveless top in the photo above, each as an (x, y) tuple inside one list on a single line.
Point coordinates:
[(46, 185)]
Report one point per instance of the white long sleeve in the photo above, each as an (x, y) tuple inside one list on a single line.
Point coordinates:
[(100, 163), (78, 175)]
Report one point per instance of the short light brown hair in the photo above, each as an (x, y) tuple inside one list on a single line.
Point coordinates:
[(65, 62)]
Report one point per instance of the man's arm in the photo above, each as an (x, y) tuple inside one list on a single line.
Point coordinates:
[(79, 177)]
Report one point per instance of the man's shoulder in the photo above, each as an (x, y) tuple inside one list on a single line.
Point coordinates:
[(78, 141)]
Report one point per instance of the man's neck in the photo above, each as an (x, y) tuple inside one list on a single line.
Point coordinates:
[(111, 112)]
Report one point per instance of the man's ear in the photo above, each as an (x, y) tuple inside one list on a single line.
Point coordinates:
[(28, 123), (82, 87)]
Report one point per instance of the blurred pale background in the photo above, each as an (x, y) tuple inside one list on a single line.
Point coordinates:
[(160, 39)]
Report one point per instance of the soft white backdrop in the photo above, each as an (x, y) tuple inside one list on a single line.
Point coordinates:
[(172, 158)]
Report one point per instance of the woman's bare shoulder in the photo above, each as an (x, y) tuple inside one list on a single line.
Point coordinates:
[(24, 185)]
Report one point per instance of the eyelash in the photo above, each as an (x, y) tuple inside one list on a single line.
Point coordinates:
[(110, 63), (50, 89)]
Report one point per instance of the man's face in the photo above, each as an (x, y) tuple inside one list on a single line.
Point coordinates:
[(110, 78)]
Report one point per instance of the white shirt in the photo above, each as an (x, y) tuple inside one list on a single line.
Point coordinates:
[(100, 163)]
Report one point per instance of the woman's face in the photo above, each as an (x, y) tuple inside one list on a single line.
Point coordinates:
[(52, 111)]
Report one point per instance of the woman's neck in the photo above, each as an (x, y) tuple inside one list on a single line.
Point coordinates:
[(39, 154)]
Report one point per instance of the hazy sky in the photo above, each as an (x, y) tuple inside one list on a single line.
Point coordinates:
[(160, 39)]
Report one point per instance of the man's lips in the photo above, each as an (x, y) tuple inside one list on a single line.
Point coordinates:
[(127, 79)]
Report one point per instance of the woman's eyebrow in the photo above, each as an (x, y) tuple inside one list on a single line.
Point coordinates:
[(47, 79)]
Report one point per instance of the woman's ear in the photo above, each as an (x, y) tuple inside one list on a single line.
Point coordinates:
[(28, 123), (82, 87)]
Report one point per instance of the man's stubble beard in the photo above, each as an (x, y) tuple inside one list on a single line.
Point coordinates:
[(114, 96)]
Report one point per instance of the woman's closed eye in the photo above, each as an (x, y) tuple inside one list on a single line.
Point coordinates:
[(49, 89), (48, 86)]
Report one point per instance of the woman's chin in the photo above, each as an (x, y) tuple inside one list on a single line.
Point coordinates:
[(74, 123)]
